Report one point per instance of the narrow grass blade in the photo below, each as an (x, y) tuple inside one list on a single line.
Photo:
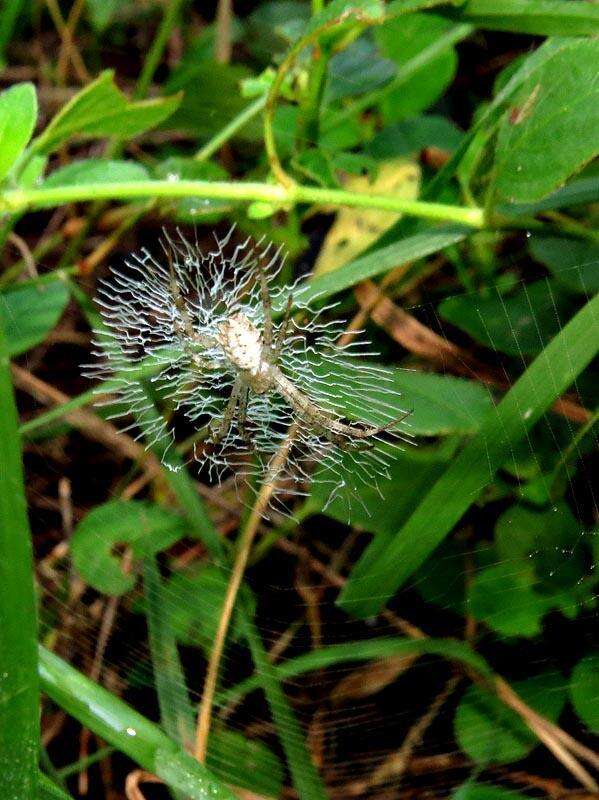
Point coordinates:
[(19, 690), (388, 562), (386, 647), (307, 781), (131, 733), (48, 790)]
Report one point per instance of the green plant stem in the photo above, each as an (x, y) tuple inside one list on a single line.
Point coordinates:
[(226, 133), (167, 23), (127, 730), (18, 200)]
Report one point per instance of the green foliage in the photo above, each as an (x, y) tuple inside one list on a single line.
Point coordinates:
[(100, 109), (482, 517), (491, 733), (549, 130), (18, 114), (145, 529), (30, 311), (584, 690)]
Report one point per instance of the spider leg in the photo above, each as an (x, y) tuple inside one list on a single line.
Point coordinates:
[(283, 330), (241, 419), (219, 430), (266, 307)]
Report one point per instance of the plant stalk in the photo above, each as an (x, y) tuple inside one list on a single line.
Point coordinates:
[(241, 559), (18, 200)]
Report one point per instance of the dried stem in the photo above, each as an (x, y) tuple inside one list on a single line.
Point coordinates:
[(241, 558)]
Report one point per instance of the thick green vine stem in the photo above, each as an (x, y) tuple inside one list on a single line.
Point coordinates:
[(18, 200)]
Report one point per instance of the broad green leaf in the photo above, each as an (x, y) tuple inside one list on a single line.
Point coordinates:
[(18, 115), (491, 733), (29, 311), (549, 541), (412, 135), (99, 110), (356, 70), (102, 12), (383, 569), (520, 324), (96, 170), (146, 529), (550, 129), (193, 209), (124, 728), (537, 17), (584, 690), (19, 689), (574, 262), (401, 40), (504, 598), (212, 98), (242, 762)]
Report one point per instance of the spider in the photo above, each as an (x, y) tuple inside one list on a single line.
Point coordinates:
[(254, 354)]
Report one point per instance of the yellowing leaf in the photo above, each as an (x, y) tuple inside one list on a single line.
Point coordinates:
[(355, 228)]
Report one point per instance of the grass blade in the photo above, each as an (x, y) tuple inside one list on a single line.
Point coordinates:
[(127, 730), (389, 561), (536, 17), (19, 695), (306, 779)]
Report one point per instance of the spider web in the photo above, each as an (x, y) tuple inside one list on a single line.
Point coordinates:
[(384, 727)]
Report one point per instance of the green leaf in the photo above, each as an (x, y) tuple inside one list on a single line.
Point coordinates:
[(212, 98), (356, 70), (29, 311), (102, 12), (193, 209), (584, 690), (550, 130), (519, 324), (549, 541), (478, 791), (96, 170), (402, 39), (574, 262), (413, 134), (242, 762), (491, 733), (146, 529), (537, 17), (196, 599), (118, 724), (383, 510), (380, 261), (19, 689), (18, 115), (100, 110), (382, 570), (504, 598)]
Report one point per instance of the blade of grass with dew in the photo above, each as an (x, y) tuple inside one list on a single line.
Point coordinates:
[(307, 781), (117, 723), (19, 688), (388, 647), (388, 562)]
